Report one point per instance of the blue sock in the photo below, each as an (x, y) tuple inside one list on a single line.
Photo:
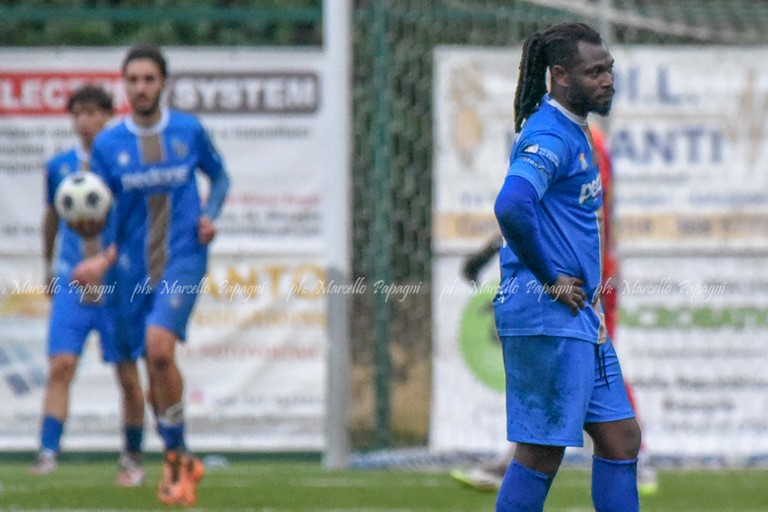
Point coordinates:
[(134, 436), (523, 490), (170, 426), (173, 435), (614, 485), (50, 434)]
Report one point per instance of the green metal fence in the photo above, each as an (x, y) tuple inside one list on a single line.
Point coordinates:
[(393, 150)]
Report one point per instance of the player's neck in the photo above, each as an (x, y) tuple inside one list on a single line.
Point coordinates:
[(567, 111), (147, 120), (561, 97)]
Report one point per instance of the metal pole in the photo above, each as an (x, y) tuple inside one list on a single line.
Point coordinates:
[(337, 18)]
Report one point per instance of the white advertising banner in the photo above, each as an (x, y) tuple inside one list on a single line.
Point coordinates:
[(689, 152), (254, 361)]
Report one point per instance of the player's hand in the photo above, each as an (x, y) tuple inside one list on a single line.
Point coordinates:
[(568, 291), (88, 228), (206, 231), (91, 270)]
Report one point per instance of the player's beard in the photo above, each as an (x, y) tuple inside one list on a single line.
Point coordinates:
[(148, 110), (602, 109), (601, 104), (585, 99)]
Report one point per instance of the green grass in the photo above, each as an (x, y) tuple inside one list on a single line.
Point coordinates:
[(260, 485)]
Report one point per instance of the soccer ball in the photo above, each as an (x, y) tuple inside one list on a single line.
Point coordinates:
[(82, 196)]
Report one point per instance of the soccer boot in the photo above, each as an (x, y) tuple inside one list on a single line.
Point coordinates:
[(192, 471), (45, 464), (130, 471), (479, 478), (170, 490)]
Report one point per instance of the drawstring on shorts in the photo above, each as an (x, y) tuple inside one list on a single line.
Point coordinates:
[(602, 368)]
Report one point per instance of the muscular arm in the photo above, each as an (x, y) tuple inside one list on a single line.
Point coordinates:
[(516, 213)]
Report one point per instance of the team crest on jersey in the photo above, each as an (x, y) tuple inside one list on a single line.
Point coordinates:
[(64, 170), (179, 148), (584, 163), (123, 158)]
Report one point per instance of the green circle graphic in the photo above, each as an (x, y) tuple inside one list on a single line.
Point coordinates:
[(478, 341)]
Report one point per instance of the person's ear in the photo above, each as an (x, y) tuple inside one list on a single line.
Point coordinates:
[(560, 76)]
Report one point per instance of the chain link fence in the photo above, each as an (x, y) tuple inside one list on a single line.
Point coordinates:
[(392, 168)]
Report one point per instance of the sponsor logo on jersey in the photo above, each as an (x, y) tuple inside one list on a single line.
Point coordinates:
[(532, 149), (590, 190), (535, 149), (155, 177), (535, 164)]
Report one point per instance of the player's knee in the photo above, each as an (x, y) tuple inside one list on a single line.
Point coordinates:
[(159, 362), (62, 369), (628, 442), (542, 458), (619, 440), (159, 357)]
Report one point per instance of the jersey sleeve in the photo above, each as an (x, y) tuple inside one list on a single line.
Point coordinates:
[(50, 184), (212, 166), (537, 157)]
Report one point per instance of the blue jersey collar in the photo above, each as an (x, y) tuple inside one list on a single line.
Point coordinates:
[(82, 155), (151, 130), (581, 121)]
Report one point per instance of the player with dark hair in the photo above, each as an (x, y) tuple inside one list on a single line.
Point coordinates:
[(562, 373), (488, 475), (74, 315), (149, 161)]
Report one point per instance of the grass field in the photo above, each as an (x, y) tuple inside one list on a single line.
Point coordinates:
[(295, 486)]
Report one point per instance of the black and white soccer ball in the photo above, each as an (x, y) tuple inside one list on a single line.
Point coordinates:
[(82, 196)]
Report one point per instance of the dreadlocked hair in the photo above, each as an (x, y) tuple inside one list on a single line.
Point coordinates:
[(541, 50)]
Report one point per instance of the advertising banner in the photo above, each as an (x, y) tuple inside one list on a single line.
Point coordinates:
[(688, 142), (254, 361)]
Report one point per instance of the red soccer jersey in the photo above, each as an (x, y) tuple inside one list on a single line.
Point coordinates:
[(610, 261)]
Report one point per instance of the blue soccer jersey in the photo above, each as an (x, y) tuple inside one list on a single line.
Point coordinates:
[(553, 153), (76, 310), (152, 174), (69, 245)]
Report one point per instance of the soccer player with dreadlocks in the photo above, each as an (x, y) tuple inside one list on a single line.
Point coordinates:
[(562, 373)]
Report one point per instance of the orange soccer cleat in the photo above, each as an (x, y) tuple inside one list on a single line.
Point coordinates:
[(192, 471), (181, 474)]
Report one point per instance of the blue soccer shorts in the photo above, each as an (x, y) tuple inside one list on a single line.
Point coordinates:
[(174, 295), (555, 385), (72, 320)]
